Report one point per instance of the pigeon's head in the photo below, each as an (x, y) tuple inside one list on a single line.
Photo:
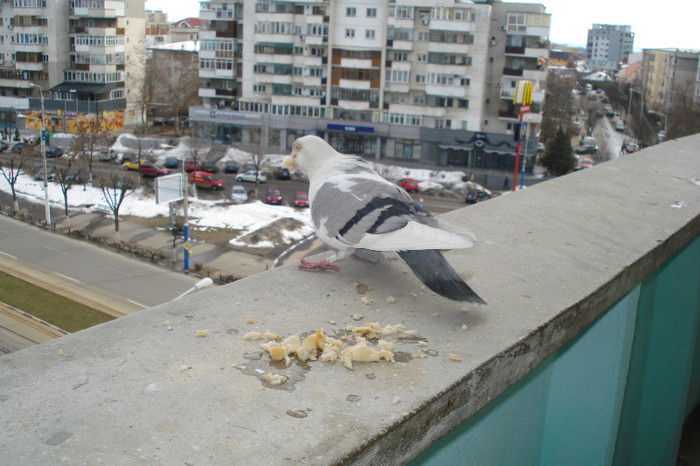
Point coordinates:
[(308, 154)]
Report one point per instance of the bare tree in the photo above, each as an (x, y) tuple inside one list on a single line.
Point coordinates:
[(257, 148), (116, 186), (66, 177), (181, 89), (11, 168), (89, 143)]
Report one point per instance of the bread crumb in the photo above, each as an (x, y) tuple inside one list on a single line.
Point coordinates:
[(453, 357), (201, 333), (357, 317), (166, 322), (397, 400), (60, 352), (420, 356), (274, 379), (464, 326), (390, 299), (366, 300), (250, 320), (422, 343), (253, 336), (272, 335), (360, 352)]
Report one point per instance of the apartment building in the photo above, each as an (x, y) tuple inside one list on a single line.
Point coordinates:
[(184, 30), (669, 74), (415, 80), (157, 28), (608, 45), (75, 51)]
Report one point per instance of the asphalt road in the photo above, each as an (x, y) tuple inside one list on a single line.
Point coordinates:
[(140, 283)]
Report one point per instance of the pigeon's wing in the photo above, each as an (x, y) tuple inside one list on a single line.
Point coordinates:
[(366, 211)]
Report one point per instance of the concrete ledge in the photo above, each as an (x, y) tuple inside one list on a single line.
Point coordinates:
[(549, 261)]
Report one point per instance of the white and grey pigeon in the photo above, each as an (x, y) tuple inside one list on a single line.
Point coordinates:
[(355, 210)]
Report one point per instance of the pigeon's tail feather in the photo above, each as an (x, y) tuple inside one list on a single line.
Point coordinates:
[(431, 267)]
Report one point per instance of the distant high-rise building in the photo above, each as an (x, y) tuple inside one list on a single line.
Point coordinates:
[(404, 79), (608, 45)]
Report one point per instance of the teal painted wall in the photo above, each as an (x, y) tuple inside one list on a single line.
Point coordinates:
[(618, 393)]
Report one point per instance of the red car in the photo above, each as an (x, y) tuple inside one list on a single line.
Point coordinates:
[(151, 170), (191, 165), (409, 184), (301, 199), (273, 196)]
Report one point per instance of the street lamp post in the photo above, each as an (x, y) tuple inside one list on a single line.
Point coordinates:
[(47, 209)]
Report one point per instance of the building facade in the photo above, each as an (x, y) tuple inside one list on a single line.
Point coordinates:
[(413, 80), (669, 74), (75, 52), (608, 45), (157, 28), (184, 30)]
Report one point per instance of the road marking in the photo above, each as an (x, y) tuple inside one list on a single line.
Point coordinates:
[(56, 250), (67, 277), (126, 274), (8, 255), (136, 303)]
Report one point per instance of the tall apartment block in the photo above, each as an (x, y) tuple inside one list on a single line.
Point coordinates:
[(608, 45), (417, 80), (75, 51), (669, 75)]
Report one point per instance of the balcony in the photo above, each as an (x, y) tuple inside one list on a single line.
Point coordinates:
[(587, 352), (513, 71)]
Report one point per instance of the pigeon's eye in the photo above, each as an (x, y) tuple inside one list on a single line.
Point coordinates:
[(297, 146)]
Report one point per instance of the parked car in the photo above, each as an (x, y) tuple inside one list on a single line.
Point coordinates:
[(191, 165), (250, 177), (631, 147), (17, 147), (273, 196), (238, 193), (50, 174), (230, 167), (151, 170), (206, 180), (409, 184), (53, 152), (477, 195), (73, 176), (301, 199), (170, 162), (208, 167), (620, 126), (133, 164), (587, 150), (282, 173)]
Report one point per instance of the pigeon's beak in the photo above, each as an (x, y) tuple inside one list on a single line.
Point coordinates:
[(289, 163)]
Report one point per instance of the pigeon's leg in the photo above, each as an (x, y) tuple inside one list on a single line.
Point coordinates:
[(326, 263), (323, 264)]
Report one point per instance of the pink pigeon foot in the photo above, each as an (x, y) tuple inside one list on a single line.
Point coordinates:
[(323, 264)]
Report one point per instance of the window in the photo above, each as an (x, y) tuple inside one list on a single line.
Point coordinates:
[(350, 12), (349, 32), (422, 57), (400, 56), (369, 33), (423, 36), (371, 12)]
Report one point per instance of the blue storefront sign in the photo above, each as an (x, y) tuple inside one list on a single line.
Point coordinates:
[(350, 128)]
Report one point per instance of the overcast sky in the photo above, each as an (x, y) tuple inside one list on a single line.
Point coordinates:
[(671, 23)]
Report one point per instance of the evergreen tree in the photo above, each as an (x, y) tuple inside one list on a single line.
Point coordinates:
[(559, 157)]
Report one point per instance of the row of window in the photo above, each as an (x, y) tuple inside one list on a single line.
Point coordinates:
[(106, 59), (297, 110), (91, 77), (99, 41), (296, 90), (33, 39), (97, 4), (215, 64), (351, 12), (29, 3)]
